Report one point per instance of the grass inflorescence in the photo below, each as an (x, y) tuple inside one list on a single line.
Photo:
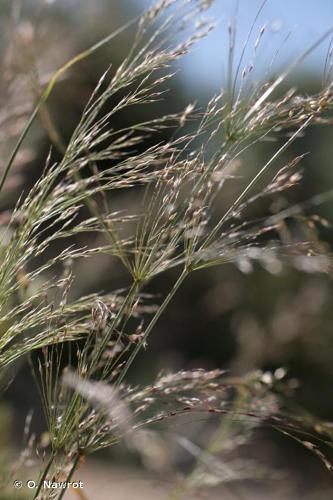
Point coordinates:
[(87, 344)]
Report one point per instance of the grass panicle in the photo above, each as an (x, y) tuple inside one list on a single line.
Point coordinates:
[(86, 344)]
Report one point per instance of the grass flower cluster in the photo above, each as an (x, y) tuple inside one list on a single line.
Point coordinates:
[(85, 346)]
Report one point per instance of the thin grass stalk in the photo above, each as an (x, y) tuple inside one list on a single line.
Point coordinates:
[(75, 465), (152, 324), (46, 94), (44, 474), (255, 179)]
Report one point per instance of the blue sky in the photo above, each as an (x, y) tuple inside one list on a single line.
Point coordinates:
[(307, 20)]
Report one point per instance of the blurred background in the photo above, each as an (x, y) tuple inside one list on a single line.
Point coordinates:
[(233, 318)]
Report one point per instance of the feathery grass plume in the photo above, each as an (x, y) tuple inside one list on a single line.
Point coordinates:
[(50, 211), (180, 183), (110, 413)]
